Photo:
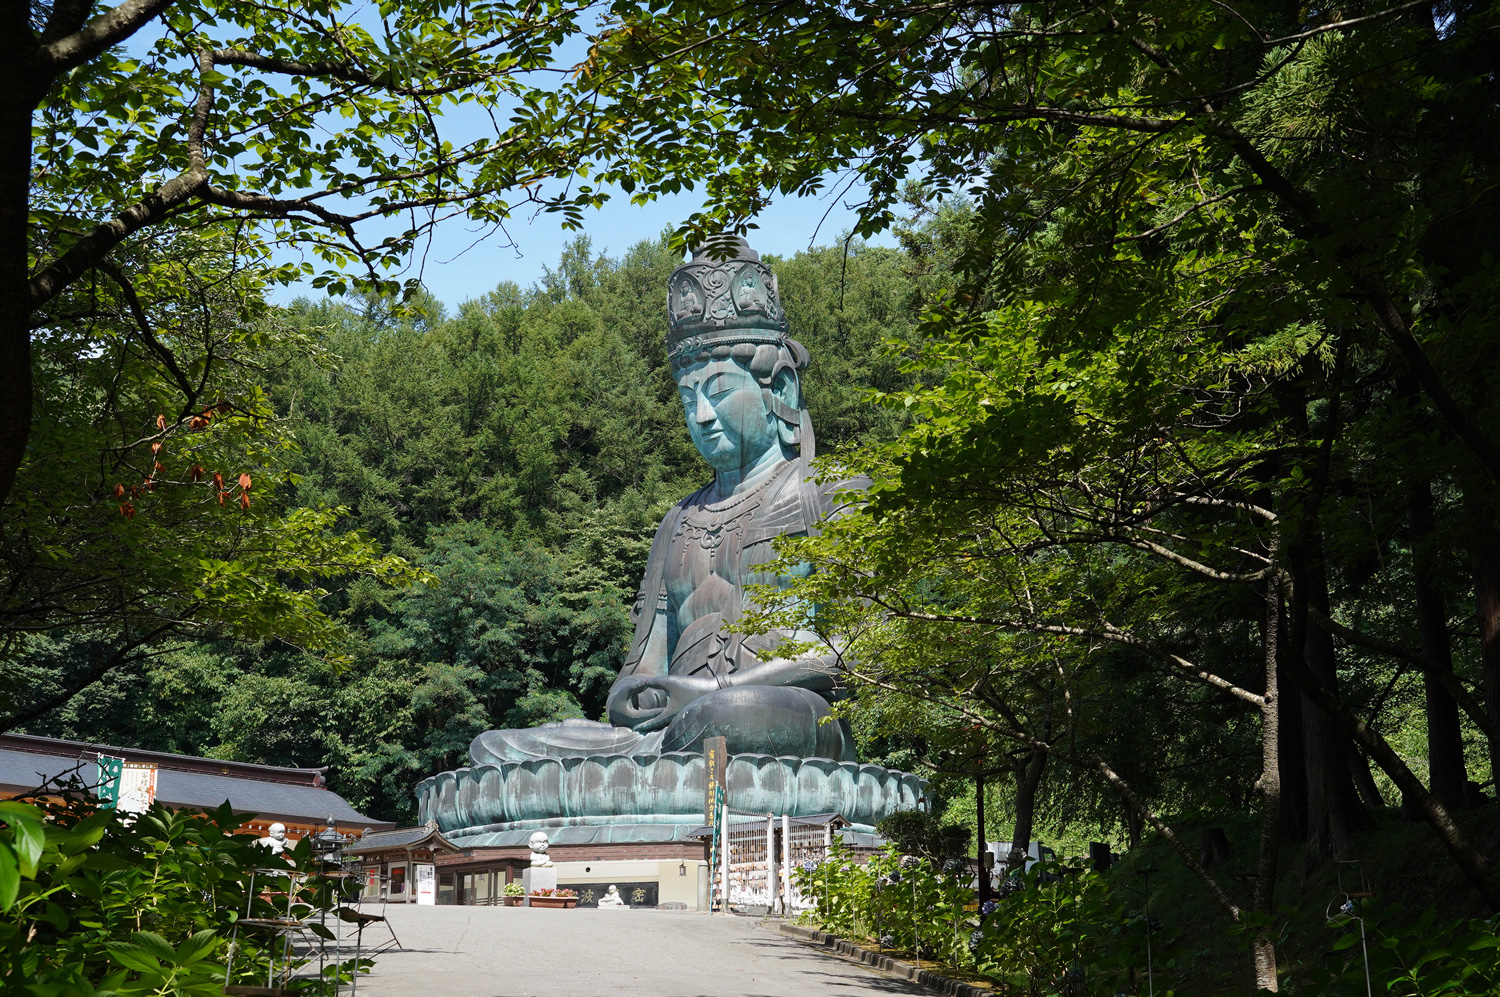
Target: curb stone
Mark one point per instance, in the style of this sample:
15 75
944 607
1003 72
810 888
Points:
884 963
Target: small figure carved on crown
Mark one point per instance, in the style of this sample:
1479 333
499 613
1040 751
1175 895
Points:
716 299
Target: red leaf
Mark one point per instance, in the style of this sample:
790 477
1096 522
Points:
197 422
156 448
218 480
245 482
244 500
119 491
197 472
161 422
159 467
127 510
221 497
224 406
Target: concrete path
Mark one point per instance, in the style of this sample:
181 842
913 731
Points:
514 952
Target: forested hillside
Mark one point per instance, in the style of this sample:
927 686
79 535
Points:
521 450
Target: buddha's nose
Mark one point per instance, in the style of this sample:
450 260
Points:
705 412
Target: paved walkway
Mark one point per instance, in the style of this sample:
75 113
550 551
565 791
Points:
514 952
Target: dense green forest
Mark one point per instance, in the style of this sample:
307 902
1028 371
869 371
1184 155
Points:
520 451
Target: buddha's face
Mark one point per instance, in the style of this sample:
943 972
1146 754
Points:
726 414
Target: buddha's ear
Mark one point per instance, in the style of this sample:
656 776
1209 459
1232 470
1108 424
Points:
785 401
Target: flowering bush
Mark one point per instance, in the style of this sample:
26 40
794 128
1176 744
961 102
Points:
899 901
515 889
1057 929
555 893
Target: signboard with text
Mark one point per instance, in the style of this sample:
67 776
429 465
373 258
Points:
426 875
715 758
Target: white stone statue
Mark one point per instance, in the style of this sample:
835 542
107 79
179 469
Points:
275 839
539 845
612 898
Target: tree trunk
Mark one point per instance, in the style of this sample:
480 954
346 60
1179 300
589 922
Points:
1447 779
1486 548
1028 778
1133 825
1291 752
983 881
1364 780
1333 807
17 45
1262 942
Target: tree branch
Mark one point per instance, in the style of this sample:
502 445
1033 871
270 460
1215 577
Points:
1182 850
1447 679
291 67
133 302
86 253
109 28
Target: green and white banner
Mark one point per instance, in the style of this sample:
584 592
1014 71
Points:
127 786
110 769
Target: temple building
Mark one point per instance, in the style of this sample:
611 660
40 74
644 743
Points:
297 798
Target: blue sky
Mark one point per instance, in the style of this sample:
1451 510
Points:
455 268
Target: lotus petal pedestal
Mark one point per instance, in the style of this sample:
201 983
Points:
639 798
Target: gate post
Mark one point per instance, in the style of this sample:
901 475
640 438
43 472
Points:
724 856
786 862
770 862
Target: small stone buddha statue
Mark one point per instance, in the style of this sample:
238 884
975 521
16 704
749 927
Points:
687 677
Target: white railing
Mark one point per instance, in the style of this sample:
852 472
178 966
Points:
756 856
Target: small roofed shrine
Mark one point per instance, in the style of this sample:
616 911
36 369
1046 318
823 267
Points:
297 798
393 864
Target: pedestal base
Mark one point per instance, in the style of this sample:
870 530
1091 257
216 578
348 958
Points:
634 798
538 877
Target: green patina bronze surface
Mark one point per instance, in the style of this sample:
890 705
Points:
642 797
687 677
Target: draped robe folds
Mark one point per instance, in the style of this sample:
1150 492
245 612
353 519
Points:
704 555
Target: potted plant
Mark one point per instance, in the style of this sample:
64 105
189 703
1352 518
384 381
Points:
514 894
554 898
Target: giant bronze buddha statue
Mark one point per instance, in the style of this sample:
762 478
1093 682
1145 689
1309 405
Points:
687 678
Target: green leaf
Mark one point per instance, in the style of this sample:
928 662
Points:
135 956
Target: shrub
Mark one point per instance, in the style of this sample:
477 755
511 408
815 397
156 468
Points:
95 900
921 832
1420 959
1058 929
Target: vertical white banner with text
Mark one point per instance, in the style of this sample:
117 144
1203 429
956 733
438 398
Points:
426 882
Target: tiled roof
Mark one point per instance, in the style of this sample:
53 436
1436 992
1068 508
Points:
402 837
185 781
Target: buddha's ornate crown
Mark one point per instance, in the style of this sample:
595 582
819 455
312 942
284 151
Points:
718 299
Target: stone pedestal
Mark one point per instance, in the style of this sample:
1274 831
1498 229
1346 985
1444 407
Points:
538 878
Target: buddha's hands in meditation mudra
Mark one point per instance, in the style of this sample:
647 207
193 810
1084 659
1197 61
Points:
688 676
650 702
